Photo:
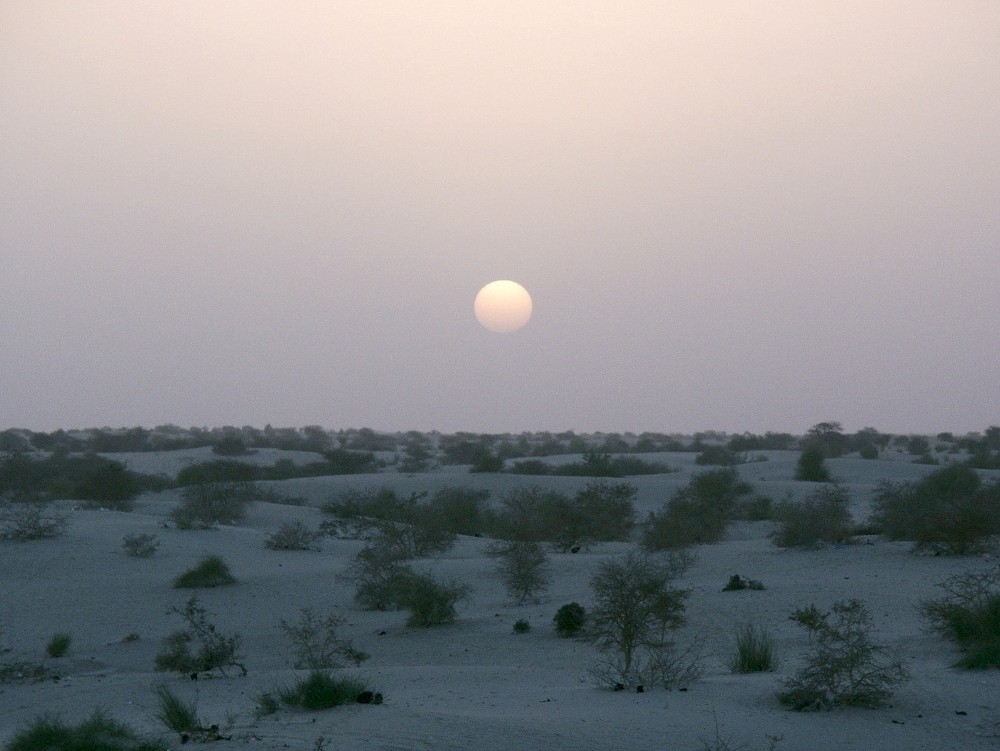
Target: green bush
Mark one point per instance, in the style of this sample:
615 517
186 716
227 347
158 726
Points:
570 619
521 626
844 665
697 513
523 568
950 511
212 571
970 616
320 690
812 466
431 602
720 456
754 650
98 733
58 645
737 583
204 506
823 517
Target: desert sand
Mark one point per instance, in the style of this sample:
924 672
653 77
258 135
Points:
476 685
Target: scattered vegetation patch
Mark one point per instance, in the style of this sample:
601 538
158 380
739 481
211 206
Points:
844 665
719 456
320 690
200 648
594 464
99 481
30 520
212 571
204 506
823 517
316 644
97 733
949 511
140 545
293 536
969 614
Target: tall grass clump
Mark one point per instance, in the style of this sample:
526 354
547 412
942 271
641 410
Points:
754 650
321 690
175 714
58 645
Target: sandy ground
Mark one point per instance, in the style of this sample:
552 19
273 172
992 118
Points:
475 684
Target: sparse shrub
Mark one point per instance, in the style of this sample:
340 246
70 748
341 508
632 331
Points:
267 704
736 583
950 511
97 733
754 650
211 571
521 626
523 567
430 602
140 545
812 466
293 536
379 577
212 649
823 517
570 619
970 616
320 690
697 513
844 665
58 645
635 606
205 505
316 644
29 520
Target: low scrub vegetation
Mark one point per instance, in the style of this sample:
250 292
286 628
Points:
97 733
201 647
293 536
594 464
823 517
969 615
949 511
30 520
98 481
316 643
320 690
204 506
697 513
844 665
140 545
211 571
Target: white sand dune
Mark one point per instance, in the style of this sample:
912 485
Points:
474 684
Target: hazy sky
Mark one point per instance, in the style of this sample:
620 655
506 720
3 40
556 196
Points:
731 214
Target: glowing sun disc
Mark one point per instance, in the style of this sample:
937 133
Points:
503 306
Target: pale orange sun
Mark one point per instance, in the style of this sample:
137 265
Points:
503 306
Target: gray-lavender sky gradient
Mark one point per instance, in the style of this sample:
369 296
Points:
731 215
